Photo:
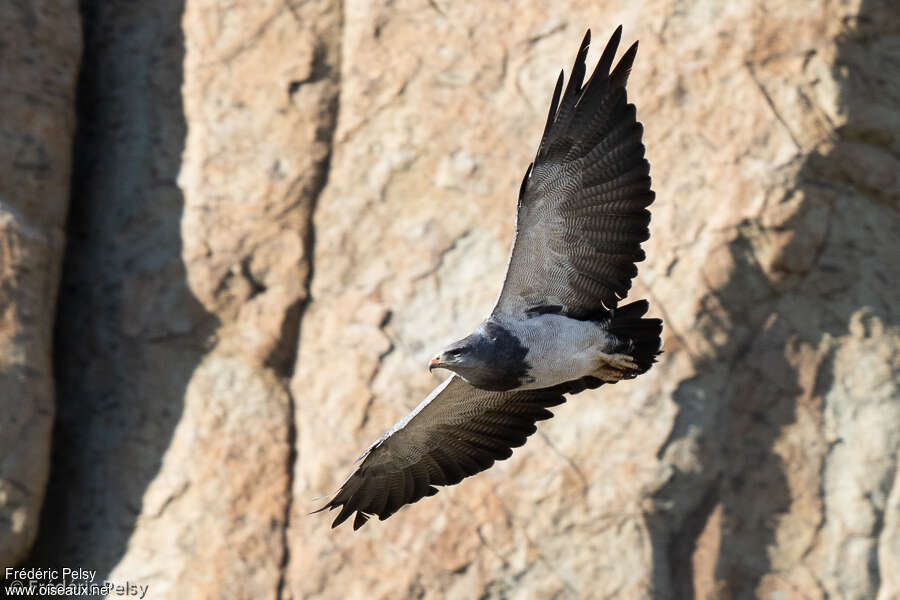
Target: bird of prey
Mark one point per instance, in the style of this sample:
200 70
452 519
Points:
557 328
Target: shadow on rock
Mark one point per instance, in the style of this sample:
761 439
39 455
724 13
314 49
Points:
129 332
794 286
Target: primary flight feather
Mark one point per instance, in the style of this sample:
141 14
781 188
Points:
557 328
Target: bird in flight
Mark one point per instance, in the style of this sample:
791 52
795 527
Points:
557 328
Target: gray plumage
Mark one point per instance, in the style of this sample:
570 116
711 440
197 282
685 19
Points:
455 432
556 329
582 207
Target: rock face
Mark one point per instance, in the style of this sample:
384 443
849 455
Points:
203 142
759 458
280 209
39 53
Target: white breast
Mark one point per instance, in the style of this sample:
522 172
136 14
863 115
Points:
560 349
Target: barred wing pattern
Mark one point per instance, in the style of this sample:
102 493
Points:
580 222
581 213
457 431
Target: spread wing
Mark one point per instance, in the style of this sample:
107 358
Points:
457 431
581 213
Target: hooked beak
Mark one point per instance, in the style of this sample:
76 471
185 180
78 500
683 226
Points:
435 363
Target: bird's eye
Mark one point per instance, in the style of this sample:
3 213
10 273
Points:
454 352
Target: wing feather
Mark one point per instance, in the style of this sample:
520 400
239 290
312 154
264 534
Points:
461 430
582 214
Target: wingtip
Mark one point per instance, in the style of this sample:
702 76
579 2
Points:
318 510
609 52
345 513
360 520
585 44
616 36
551 115
620 74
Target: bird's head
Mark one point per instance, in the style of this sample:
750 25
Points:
485 359
456 357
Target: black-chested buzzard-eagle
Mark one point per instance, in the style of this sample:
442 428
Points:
556 329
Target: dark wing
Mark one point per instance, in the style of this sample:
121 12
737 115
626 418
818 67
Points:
457 431
582 213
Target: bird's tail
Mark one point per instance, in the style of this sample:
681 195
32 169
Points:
643 334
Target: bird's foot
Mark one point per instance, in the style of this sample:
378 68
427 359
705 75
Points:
623 362
615 367
609 374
